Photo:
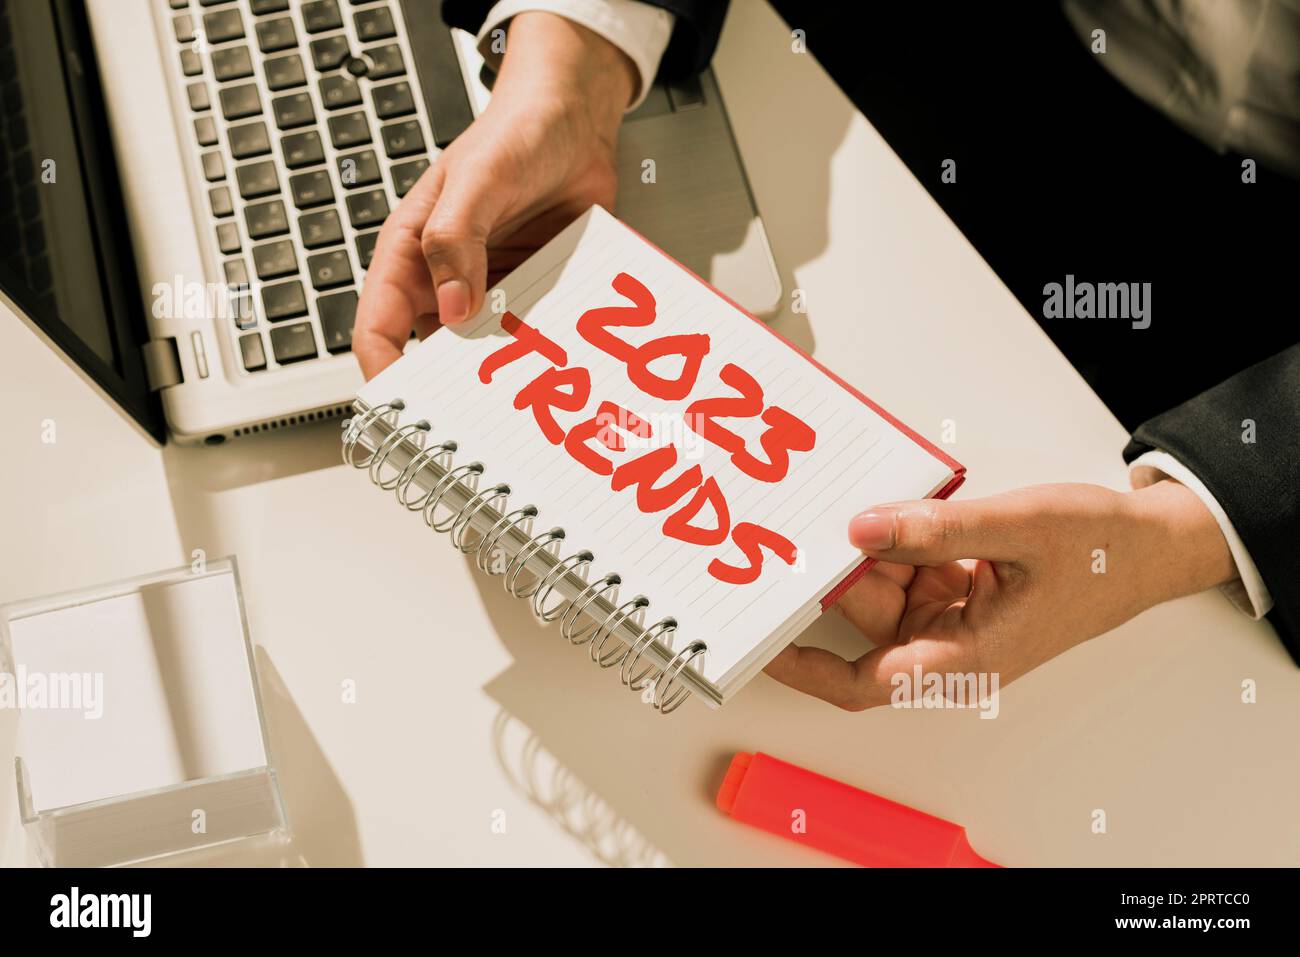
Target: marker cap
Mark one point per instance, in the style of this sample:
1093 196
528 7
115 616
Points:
839 819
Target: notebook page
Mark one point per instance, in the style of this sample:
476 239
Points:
685 553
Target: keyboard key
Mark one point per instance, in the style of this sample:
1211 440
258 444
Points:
198 94
311 189
223 25
178 4
321 15
402 139
184 28
261 7
366 247
320 229
228 238
278 34
284 72
338 313
254 354
219 199
191 63
445 100
266 219
293 110
336 92
241 308
376 24
232 63
250 139
302 149
238 102
257 179
405 175
385 61
213 168
392 100
328 52
272 260
330 269
293 343
367 209
205 131
359 169
284 300
350 129
236 272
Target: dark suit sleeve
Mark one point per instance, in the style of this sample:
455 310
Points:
691 46
1257 483
695 36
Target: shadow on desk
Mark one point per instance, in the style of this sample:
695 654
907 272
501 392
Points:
634 787
252 459
321 817
789 121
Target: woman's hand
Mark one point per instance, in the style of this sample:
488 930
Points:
538 156
1054 566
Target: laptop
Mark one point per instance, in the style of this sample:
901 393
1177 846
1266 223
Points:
191 190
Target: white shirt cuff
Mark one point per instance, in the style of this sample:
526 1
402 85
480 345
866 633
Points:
1248 593
638 29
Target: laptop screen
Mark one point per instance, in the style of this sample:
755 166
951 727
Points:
65 256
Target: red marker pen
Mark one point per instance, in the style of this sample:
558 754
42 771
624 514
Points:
841 820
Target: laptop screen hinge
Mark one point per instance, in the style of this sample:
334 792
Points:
162 363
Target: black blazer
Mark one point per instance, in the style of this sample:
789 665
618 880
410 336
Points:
1257 484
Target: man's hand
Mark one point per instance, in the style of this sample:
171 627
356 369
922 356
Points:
1035 589
540 155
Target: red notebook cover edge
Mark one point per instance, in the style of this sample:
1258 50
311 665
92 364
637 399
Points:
958 470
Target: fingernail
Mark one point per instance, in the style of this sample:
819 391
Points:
872 529
453 301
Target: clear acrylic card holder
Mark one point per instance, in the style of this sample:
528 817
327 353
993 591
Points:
141 728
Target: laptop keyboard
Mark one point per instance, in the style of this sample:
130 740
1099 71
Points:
20 210
308 123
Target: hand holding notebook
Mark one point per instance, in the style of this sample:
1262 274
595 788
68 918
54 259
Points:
660 473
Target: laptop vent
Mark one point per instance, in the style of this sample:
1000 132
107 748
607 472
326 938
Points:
291 420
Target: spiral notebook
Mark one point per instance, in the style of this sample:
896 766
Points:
659 474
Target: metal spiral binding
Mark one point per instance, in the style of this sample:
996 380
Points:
643 654
628 611
381 453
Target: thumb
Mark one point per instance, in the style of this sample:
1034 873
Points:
933 532
454 242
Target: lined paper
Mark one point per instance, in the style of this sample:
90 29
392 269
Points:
858 459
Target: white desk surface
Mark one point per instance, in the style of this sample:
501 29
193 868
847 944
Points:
465 708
